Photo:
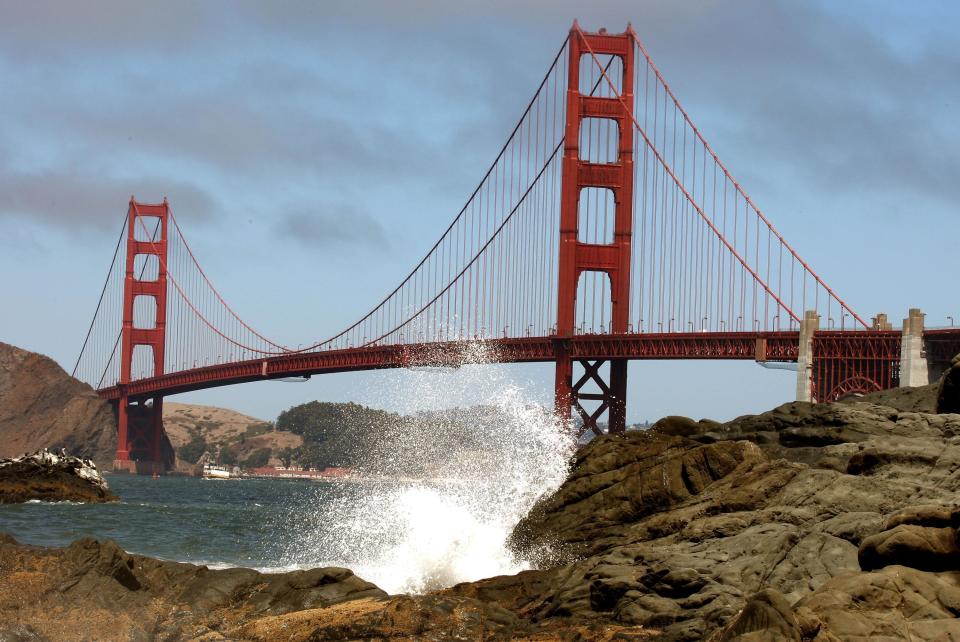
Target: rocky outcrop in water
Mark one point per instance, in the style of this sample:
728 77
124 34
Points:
809 521
49 477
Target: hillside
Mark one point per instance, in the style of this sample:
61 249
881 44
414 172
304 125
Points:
378 442
321 435
195 429
41 406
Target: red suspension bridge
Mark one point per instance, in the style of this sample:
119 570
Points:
606 229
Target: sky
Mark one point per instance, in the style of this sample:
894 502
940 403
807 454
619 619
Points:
314 151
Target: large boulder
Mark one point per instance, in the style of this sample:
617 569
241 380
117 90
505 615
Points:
922 537
911 399
894 603
948 391
675 529
103 593
766 617
619 479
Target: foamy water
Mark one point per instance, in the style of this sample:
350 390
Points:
413 537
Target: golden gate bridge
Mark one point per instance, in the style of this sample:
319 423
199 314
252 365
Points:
606 229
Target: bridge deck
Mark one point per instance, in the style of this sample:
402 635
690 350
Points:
762 346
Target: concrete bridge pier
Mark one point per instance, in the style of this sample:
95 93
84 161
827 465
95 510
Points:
914 370
809 325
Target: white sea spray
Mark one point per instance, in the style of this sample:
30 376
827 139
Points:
418 535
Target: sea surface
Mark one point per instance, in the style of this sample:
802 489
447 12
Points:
405 536
246 522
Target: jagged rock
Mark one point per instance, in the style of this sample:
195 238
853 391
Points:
617 480
100 592
923 537
895 603
750 530
805 491
948 389
766 617
46 476
922 547
121 596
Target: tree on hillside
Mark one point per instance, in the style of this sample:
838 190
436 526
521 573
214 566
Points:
192 450
352 436
317 421
228 455
258 458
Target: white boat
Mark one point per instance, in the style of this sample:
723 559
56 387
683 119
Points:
215 471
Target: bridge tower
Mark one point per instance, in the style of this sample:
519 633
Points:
140 425
577 257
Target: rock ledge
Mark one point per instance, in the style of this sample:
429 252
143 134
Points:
49 477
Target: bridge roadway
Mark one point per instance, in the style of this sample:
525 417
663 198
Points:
762 346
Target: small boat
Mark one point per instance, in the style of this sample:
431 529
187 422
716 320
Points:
215 471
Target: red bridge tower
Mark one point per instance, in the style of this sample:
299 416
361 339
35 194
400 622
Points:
140 425
577 257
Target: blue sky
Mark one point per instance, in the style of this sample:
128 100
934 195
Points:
295 140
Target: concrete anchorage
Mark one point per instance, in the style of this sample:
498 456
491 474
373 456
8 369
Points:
809 325
914 370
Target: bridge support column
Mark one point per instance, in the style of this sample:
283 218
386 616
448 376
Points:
576 256
563 385
809 325
914 370
140 426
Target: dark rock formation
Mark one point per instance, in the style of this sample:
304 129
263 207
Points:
767 616
948 391
49 477
99 592
919 399
922 537
895 603
41 406
113 595
678 528
619 479
808 522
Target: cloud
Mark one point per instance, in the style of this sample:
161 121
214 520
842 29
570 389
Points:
333 228
79 200
246 100
802 102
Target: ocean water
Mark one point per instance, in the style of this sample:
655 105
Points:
405 536
247 522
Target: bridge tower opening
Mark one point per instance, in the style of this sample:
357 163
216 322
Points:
140 436
576 256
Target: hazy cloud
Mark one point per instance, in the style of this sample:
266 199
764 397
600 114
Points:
332 228
78 200
248 100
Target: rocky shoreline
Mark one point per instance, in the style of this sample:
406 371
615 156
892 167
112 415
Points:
51 477
818 522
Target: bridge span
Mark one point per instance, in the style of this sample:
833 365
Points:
605 230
